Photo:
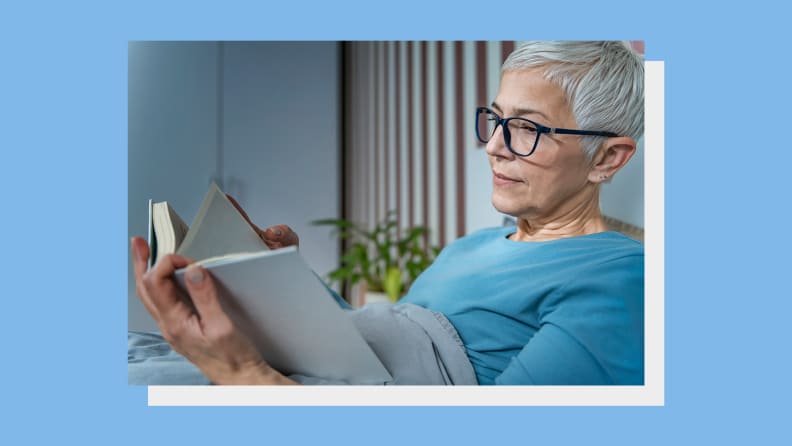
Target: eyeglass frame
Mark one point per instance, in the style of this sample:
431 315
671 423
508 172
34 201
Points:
504 123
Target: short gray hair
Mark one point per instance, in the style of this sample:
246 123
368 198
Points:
603 82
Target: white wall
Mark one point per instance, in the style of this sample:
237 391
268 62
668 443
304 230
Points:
623 197
282 130
203 111
173 115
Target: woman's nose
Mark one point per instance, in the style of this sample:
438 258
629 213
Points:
496 146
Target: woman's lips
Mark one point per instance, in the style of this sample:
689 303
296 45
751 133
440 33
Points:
502 180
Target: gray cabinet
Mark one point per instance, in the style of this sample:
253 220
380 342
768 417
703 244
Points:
260 118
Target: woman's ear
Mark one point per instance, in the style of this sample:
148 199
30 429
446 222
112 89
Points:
612 156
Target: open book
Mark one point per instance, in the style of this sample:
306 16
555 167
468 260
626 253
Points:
271 295
217 230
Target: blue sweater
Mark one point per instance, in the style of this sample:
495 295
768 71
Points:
567 311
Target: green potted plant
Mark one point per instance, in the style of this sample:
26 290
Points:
382 259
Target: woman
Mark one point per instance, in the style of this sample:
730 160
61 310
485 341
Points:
559 299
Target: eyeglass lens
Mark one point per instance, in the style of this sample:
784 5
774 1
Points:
522 133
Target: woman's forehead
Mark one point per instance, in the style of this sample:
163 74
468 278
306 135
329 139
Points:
528 93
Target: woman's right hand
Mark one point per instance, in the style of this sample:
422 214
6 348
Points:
278 236
202 332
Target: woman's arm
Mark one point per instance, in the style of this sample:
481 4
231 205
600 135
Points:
591 331
553 357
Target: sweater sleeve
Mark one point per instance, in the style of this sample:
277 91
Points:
553 357
339 300
591 331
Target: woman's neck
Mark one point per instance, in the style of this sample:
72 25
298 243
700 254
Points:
582 219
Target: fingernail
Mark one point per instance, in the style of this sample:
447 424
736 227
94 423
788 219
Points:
195 275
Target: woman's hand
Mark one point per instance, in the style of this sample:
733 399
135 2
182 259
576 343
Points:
203 334
278 236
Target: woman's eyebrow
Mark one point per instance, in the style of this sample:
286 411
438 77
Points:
521 111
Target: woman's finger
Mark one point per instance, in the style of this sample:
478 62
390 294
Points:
203 293
280 236
162 293
140 254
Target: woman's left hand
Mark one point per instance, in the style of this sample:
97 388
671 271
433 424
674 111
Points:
278 236
204 335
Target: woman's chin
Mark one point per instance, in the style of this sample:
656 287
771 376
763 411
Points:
505 205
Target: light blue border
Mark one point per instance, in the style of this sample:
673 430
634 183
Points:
63 110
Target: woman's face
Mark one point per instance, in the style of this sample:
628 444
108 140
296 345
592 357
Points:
552 183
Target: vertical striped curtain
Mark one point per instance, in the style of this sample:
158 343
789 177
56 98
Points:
409 120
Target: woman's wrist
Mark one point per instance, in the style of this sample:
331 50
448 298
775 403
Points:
272 377
256 374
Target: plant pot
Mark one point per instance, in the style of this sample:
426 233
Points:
376 296
361 296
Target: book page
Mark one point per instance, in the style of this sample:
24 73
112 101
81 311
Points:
180 228
219 229
169 229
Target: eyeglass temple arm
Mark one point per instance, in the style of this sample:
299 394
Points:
577 132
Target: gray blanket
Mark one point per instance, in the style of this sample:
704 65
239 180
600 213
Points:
416 345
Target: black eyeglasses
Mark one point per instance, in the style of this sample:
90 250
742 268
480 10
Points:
521 135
